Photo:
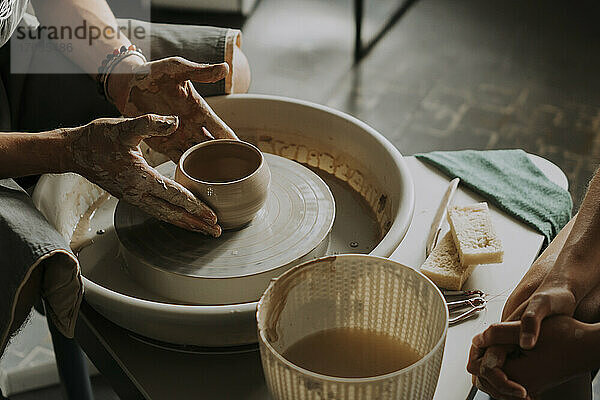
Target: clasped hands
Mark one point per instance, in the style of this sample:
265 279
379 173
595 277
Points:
542 341
506 370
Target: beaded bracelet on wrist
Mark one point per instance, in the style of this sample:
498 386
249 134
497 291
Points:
110 62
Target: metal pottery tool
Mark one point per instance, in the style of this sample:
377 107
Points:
438 220
463 304
471 301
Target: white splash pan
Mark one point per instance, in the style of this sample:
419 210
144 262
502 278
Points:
311 134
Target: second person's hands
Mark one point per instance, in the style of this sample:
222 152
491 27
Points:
565 348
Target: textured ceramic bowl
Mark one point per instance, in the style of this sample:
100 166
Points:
360 292
231 176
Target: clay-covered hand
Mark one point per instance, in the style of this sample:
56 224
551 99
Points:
486 362
165 87
106 151
561 352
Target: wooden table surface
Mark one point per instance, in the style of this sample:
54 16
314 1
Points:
142 370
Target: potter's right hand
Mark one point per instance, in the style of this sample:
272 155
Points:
106 151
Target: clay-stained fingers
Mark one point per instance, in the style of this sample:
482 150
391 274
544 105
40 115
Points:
494 357
531 320
474 360
500 333
207 118
495 338
515 305
133 130
217 128
491 370
487 387
168 212
172 192
517 313
500 382
181 69
546 301
207 134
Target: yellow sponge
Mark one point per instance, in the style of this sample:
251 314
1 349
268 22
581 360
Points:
443 266
474 235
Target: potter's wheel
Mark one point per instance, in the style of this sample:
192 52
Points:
367 175
292 227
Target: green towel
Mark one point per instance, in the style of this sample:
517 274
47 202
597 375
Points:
508 179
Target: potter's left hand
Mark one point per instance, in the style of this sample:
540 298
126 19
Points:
165 87
563 350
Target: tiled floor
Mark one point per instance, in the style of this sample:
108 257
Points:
450 75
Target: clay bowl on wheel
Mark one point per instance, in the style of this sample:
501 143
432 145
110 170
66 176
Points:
325 140
187 267
231 176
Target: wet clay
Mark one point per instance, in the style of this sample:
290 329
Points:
341 166
221 163
351 353
172 77
83 235
106 151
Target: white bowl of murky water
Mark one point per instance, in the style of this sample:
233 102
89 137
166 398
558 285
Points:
352 327
367 175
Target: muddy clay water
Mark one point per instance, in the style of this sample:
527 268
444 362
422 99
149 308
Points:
221 161
355 230
351 353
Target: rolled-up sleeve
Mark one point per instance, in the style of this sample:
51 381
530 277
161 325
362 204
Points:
201 44
29 242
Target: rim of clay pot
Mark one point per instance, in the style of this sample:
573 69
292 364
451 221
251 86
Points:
236 142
